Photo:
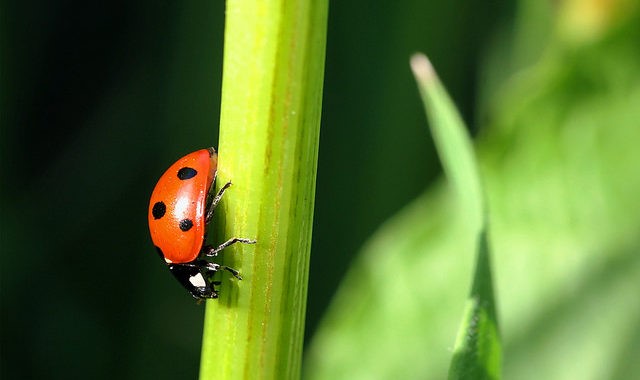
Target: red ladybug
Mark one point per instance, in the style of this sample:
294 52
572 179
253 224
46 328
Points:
181 206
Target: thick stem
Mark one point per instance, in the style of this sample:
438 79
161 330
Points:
270 123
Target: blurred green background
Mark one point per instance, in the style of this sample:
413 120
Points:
98 99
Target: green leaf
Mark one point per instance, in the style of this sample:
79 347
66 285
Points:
451 139
559 156
477 353
478 350
270 122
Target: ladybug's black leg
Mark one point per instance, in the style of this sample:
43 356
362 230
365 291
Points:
214 202
210 251
213 267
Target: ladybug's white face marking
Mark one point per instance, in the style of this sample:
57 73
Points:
198 280
168 261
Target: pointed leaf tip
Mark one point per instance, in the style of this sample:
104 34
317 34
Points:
422 68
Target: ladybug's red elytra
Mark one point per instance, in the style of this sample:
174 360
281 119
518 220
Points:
181 207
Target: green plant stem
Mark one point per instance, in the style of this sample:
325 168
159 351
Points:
270 123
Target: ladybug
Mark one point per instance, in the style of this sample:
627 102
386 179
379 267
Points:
181 207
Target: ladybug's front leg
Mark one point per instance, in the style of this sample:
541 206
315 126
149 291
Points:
214 202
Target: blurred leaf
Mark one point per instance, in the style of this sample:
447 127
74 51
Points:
452 140
478 350
477 353
561 163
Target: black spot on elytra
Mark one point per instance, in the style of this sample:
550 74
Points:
187 173
159 251
186 224
159 209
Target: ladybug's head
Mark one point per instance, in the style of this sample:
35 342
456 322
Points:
195 280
